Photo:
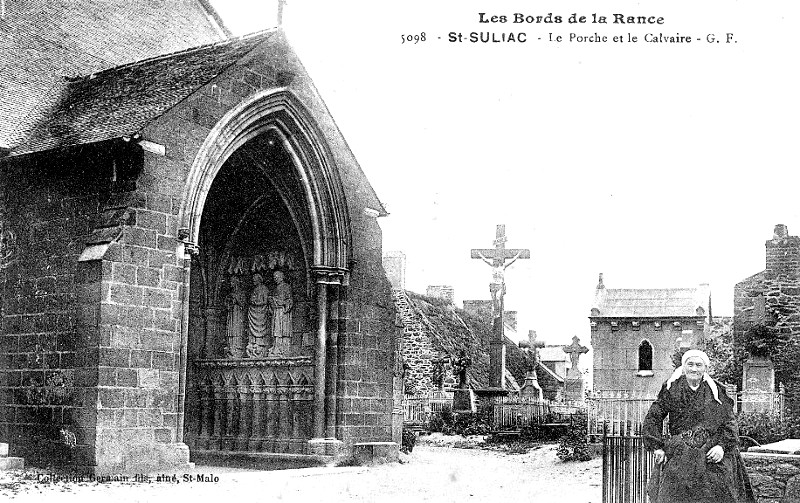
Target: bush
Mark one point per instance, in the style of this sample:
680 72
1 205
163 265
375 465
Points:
574 446
468 423
463 423
409 440
763 427
441 422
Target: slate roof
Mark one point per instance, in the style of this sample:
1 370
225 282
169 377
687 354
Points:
542 368
651 303
43 41
122 100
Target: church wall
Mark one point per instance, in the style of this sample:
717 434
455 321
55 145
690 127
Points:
367 347
616 353
49 205
366 338
90 350
139 325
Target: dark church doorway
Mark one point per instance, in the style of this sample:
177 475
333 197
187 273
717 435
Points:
250 368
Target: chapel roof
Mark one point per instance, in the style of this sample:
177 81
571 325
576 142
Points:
122 100
651 302
44 41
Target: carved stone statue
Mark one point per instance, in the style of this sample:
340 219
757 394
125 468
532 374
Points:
257 317
497 287
281 316
235 302
438 373
460 366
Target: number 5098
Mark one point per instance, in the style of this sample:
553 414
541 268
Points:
413 39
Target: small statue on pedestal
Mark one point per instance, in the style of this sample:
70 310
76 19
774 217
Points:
460 366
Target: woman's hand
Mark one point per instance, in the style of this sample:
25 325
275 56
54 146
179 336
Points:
714 455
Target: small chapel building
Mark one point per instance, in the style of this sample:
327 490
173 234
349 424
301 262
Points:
190 258
635 333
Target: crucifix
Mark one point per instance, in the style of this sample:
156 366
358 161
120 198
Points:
496 258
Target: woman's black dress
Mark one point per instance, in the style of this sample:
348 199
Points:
697 422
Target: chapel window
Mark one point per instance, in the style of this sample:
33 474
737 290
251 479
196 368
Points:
645 356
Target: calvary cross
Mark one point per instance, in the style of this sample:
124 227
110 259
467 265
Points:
496 257
499 253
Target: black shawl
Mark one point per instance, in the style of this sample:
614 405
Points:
697 422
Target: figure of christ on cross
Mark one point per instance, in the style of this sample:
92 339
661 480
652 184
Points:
496 258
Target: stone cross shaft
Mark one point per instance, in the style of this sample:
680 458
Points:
496 258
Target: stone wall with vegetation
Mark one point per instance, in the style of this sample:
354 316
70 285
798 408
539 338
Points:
775 477
419 352
766 311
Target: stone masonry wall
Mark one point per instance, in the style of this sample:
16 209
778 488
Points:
772 296
139 326
49 206
775 477
366 321
616 352
418 350
368 340
93 349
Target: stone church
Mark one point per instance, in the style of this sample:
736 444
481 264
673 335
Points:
635 332
190 257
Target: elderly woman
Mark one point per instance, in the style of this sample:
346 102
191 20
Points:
699 460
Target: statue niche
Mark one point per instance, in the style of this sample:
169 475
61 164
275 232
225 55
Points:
260 322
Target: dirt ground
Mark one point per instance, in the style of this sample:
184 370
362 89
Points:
440 469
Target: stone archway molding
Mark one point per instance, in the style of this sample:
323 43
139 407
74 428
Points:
278 110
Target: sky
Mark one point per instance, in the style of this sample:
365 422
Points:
659 165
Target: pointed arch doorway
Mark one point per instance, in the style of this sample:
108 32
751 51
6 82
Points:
264 218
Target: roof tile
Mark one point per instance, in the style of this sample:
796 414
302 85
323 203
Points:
121 101
651 303
42 41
